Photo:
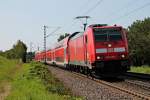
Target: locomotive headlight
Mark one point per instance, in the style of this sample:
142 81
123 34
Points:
98 57
109 45
123 56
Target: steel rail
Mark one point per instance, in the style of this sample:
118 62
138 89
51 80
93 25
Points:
138 75
133 93
141 84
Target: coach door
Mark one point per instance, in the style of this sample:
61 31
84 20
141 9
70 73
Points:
85 46
65 55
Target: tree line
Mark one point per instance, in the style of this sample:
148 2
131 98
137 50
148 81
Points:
139 42
18 51
61 37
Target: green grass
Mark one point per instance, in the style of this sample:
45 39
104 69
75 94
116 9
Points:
31 82
140 69
7 69
35 82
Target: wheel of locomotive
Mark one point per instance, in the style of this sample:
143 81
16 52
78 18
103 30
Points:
88 72
74 68
77 68
80 68
84 70
69 67
66 66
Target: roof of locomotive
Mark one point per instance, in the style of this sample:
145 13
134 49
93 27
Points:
103 26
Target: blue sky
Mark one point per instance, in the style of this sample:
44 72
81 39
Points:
23 19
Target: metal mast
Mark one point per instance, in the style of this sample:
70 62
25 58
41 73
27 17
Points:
45 27
83 17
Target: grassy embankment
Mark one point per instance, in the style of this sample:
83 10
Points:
7 70
31 82
140 69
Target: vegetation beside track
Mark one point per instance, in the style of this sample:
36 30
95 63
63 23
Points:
30 81
140 69
139 39
35 82
8 69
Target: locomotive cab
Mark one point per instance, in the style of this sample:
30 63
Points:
111 49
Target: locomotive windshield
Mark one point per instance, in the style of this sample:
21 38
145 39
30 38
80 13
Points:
102 35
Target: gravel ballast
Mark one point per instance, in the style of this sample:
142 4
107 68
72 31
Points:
88 89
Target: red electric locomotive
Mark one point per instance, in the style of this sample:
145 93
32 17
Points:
101 49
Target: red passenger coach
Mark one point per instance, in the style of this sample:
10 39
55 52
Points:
37 56
60 55
49 56
76 49
42 56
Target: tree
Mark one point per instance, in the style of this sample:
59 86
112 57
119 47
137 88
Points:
1 53
61 37
17 52
139 41
20 49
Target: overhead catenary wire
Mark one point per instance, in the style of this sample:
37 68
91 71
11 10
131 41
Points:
128 4
54 31
128 13
93 7
69 26
88 11
85 5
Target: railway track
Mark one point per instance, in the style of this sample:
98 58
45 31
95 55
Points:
133 93
138 80
138 75
141 84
